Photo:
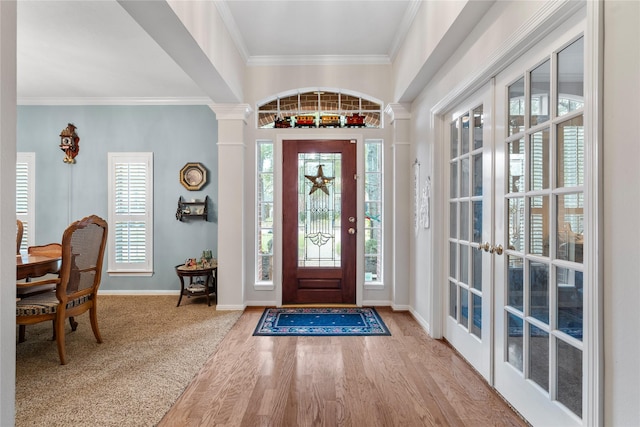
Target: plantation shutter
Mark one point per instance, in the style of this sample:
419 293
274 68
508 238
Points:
131 212
25 168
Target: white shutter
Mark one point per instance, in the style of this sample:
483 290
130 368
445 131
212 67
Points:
25 200
130 213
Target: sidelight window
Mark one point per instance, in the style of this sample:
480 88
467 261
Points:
373 203
264 211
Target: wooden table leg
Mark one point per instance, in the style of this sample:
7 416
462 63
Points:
181 289
206 288
214 283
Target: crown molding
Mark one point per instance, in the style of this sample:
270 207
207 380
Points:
114 101
232 27
284 60
403 28
231 111
398 112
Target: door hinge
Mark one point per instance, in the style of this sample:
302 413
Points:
355 177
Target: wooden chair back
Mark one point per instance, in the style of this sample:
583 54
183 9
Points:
83 246
19 233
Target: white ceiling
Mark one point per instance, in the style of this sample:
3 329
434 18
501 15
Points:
84 51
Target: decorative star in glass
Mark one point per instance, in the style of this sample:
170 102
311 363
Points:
319 181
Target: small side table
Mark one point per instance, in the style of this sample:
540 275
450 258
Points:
210 286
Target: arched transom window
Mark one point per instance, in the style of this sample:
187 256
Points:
319 108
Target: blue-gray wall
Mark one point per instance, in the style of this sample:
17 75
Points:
64 193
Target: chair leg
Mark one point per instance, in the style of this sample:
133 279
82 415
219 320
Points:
73 323
21 332
93 315
59 329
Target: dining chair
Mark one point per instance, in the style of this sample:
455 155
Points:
19 233
49 250
83 245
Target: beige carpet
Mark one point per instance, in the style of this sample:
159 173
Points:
151 351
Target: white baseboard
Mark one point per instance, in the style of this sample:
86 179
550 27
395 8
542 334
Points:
231 307
376 303
421 321
138 292
261 304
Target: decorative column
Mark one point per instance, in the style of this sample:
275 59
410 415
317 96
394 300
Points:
400 116
232 119
8 211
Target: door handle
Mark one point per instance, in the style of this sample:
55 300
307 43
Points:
486 246
351 230
352 219
496 249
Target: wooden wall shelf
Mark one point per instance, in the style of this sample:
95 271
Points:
197 209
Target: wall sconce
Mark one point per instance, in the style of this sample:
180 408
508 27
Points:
69 143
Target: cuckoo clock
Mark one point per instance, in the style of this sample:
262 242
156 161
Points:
69 143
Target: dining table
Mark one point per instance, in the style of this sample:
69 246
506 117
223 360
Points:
30 265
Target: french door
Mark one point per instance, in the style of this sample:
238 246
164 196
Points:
540 202
515 280
468 323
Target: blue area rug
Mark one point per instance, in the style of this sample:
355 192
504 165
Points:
321 322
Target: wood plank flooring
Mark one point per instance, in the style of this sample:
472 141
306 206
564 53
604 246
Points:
406 379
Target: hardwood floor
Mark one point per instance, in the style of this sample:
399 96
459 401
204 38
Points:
406 379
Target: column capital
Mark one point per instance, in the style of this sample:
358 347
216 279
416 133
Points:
231 111
398 111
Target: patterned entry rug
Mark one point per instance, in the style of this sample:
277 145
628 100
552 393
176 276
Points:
321 321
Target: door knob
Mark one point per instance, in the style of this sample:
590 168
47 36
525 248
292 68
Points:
496 249
484 246
351 230
352 219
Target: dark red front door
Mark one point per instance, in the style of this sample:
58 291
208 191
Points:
319 221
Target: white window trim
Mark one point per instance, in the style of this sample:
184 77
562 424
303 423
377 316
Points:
29 218
114 268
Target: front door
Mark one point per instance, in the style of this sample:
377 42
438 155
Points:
319 222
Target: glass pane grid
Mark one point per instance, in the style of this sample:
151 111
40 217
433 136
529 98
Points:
373 185
264 206
319 209
465 220
545 223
